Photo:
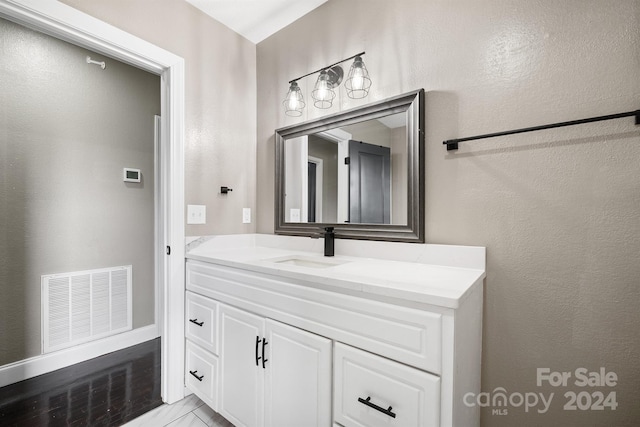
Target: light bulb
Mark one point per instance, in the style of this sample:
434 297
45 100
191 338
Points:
293 102
323 93
357 81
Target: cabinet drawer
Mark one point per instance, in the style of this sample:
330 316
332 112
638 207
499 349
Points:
201 323
201 374
371 391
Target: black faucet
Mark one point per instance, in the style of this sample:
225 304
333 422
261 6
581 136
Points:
329 239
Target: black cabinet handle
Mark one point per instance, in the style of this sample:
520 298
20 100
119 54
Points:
199 378
367 402
196 322
257 345
264 358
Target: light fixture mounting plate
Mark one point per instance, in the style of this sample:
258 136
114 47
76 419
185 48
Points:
335 73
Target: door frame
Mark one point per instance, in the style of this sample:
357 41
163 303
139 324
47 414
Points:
341 138
319 185
66 23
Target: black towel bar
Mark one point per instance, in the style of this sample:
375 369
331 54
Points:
452 144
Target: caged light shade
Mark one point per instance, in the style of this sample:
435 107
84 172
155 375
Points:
294 102
323 93
358 81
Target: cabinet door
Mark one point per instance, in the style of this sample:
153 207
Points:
241 398
297 377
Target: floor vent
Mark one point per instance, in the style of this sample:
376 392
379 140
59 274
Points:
84 306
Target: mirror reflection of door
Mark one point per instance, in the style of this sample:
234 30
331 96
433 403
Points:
369 183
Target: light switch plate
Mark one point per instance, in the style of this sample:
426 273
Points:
246 215
196 214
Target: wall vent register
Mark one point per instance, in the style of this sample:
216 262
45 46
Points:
84 306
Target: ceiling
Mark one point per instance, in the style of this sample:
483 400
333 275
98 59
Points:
256 19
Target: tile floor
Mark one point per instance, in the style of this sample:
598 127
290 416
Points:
189 412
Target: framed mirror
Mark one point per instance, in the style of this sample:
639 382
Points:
360 171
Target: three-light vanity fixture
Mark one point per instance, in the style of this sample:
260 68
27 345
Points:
357 85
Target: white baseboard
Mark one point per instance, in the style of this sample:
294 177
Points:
38 365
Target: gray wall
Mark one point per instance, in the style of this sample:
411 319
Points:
558 210
67 129
220 102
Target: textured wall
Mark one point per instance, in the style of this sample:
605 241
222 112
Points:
67 129
220 102
558 210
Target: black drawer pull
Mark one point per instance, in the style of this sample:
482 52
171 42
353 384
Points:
196 322
199 378
367 402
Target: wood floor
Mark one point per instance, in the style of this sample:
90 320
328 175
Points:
106 391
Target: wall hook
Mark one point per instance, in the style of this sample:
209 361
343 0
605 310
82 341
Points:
225 190
102 64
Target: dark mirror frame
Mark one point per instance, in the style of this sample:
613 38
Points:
413 104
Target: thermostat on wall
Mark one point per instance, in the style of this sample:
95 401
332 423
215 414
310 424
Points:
131 175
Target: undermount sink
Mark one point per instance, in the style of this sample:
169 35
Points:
310 262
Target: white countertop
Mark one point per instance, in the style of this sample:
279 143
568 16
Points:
419 280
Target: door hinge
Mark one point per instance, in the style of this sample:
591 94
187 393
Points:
168 250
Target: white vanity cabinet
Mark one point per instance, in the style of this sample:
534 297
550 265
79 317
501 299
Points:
300 348
272 374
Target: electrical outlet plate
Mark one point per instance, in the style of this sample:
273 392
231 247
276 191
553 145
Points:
294 215
196 214
246 215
